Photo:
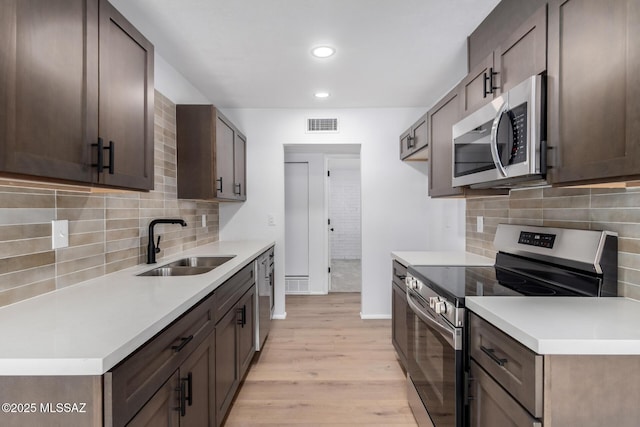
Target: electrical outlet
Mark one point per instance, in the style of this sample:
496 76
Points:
480 224
59 234
271 220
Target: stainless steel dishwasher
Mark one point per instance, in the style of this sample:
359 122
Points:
264 303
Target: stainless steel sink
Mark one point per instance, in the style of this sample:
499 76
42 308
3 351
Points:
188 266
200 261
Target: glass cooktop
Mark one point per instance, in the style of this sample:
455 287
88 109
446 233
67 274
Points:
456 282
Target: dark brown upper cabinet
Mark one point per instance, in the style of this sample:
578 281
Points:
126 103
594 91
48 88
67 69
211 155
413 141
521 55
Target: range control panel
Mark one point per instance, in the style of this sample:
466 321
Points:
537 239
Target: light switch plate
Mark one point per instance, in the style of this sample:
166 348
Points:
480 224
204 220
59 234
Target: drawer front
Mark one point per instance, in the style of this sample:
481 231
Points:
227 295
490 405
512 365
129 385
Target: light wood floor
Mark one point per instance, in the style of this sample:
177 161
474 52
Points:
323 365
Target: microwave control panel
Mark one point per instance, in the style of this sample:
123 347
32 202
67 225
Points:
517 134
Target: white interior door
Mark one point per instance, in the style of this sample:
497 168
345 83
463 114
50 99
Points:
297 219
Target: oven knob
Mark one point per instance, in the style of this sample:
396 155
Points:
440 307
432 302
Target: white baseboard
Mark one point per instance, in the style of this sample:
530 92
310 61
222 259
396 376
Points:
279 316
375 316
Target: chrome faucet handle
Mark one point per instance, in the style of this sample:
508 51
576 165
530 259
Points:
157 248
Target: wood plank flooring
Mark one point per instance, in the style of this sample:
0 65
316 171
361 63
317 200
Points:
323 366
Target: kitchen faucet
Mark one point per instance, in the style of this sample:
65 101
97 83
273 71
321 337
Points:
153 249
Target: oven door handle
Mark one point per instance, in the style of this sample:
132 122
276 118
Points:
494 139
452 335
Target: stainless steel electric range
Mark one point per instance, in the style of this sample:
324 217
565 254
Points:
531 261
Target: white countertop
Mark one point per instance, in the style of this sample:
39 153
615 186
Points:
565 325
88 328
408 258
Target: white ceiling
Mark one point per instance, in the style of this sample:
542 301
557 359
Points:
256 53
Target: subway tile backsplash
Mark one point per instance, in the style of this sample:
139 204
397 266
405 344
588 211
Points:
591 209
107 231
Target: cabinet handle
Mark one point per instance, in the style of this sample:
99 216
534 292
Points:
240 317
112 150
189 380
409 139
488 78
491 353
220 181
182 406
239 186
100 164
183 343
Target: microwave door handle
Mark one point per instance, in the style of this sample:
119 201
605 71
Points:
494 140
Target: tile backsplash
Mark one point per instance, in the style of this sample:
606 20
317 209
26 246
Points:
107 231
591 209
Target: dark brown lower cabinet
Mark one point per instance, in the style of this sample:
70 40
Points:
399 308
186 375
235 344
160 410
510 385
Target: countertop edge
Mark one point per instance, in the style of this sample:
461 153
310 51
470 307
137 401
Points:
99 365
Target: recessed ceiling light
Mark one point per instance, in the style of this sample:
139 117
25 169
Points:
323 51
322 94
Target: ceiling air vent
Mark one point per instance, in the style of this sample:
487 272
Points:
322 125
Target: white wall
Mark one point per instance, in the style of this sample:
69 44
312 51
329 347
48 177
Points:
396 212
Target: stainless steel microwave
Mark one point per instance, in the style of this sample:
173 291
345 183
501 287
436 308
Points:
503 143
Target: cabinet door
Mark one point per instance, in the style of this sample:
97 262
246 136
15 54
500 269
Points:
197 380
476 87
226 366
399 323
48 87
441 118
524 53
594 88
405 143
413 142
126 102
160 410
225 140
247 330
239 168
490 405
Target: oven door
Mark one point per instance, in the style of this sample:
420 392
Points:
435 365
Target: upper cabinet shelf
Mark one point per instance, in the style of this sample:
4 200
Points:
76 95
211 155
